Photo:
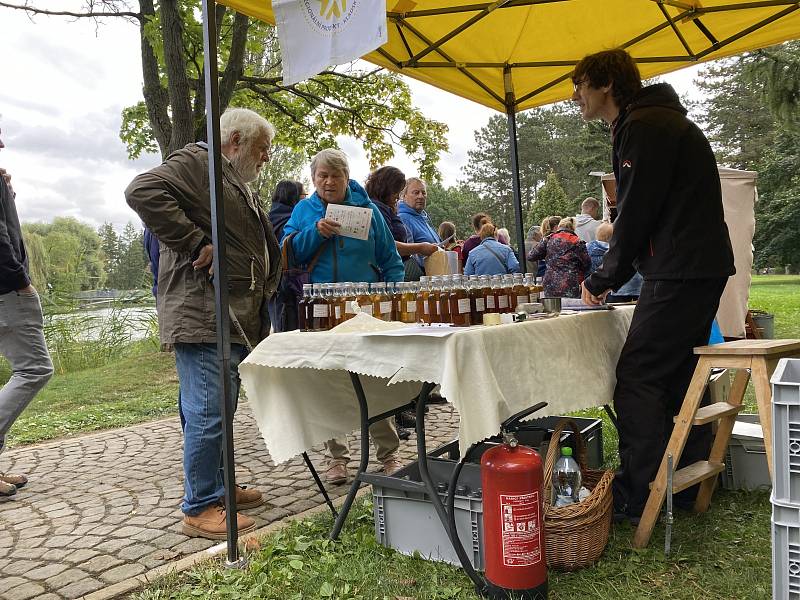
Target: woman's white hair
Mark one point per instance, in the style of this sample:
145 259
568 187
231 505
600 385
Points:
247 123
334 159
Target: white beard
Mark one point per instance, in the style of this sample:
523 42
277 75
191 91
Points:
246 164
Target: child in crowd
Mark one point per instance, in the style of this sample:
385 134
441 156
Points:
597 249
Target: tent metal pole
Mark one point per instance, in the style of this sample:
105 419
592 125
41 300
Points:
515 182
220 273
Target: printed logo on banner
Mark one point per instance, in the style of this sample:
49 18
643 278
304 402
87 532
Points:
329 16
315 34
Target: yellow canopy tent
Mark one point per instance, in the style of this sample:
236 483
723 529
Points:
512 55
516 54
465 48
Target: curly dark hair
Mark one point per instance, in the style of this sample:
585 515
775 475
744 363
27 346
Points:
384 184
615 67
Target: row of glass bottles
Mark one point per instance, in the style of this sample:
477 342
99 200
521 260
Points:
455 299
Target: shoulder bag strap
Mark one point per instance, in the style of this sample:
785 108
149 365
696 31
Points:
498 257
287 254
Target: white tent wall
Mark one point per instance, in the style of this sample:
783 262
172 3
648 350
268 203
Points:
739 195
738 198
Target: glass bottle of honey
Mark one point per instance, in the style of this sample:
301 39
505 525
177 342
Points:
520 291
363 298
434 286
477 305
460 314
499 293
443 298
488 294
408 302
319 309
348 301
302 308
423 311
381 302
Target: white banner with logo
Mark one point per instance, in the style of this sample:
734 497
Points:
315 34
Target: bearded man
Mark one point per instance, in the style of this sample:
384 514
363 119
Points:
173 201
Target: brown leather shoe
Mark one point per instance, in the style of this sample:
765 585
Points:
391 466
210 523
7 489
248 497
336 474
17 481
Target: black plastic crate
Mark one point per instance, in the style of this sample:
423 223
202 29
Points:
536 434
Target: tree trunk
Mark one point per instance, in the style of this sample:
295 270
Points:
177 80
155 96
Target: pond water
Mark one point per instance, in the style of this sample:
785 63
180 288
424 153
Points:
130 322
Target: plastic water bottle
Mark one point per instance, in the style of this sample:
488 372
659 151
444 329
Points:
566 479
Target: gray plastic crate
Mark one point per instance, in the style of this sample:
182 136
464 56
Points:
785 551
746 460
536 434
786 431
406 520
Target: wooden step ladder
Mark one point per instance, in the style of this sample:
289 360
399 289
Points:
756 358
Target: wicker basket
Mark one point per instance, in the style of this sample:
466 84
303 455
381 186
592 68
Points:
577 534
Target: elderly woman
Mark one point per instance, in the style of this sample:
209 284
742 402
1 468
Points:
568 262
491 257
341 258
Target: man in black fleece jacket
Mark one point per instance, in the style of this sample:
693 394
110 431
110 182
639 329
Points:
670 227
21 338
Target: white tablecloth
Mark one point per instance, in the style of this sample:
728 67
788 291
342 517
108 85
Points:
301 395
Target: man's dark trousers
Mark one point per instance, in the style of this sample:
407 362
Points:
657 362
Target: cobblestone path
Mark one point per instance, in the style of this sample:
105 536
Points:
104 507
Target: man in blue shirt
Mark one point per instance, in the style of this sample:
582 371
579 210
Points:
412 212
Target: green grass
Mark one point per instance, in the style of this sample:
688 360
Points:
723 554
129 390
779 295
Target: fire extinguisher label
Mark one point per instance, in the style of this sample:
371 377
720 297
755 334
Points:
522 531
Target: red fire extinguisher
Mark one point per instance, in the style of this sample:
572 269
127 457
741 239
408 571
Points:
513 519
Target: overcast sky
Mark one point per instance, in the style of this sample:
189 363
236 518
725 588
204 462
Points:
64 85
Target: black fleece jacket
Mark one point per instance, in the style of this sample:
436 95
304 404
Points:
13 260
670 223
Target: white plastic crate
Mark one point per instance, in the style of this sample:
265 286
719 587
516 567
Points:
745 457
406 520
785 551
786 431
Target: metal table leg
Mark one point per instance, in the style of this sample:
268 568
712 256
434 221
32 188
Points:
362 465
321 487
366 421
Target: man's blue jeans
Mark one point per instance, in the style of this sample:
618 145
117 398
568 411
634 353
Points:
198 402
